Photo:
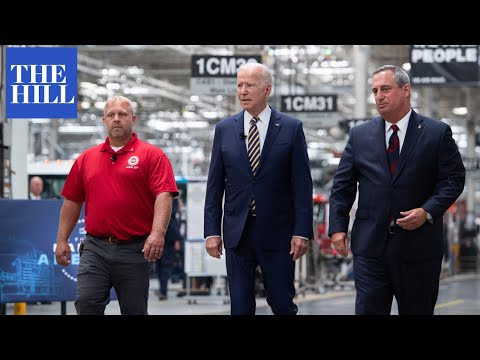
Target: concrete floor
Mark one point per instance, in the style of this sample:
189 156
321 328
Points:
458 295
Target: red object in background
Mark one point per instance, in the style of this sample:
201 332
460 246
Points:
320 220
322 228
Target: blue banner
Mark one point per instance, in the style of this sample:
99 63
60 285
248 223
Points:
28 269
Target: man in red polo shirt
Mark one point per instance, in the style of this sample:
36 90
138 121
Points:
127 186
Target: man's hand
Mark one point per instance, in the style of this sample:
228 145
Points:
62 253
341 243
178 245
412 219
214 246
153 247
298 247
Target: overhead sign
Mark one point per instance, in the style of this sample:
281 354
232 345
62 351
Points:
309 103
443 64
347 124
319 120
216 75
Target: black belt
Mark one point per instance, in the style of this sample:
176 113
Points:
393 229
114 241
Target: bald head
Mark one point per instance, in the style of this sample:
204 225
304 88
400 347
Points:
36 185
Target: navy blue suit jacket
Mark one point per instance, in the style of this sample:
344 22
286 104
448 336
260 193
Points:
430 175
173 230
282 186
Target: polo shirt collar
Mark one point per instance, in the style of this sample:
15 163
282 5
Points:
130 146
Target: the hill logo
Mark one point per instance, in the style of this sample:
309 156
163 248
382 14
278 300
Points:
41 82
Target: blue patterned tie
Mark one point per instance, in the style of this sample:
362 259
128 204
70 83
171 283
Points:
393 151
253 151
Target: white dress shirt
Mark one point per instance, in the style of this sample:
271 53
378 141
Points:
401 132
262 125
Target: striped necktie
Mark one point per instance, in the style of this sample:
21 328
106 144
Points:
253 151
393 151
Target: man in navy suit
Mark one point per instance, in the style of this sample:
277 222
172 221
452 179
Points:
173 239
397 237
268 208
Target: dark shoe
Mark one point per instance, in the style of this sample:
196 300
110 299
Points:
162 297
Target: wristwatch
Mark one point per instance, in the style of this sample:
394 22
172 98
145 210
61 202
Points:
429 217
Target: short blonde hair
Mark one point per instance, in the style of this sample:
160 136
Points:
118 99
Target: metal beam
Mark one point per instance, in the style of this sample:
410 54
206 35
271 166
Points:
163 88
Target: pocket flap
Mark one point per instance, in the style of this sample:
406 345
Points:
362 214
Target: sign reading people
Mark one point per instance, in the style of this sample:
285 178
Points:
41 82
444 64
217 75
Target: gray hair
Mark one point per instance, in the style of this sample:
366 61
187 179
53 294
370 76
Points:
118 99
266 73
399 75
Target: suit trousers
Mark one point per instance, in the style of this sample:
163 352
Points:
413 283
278 270
164 267
119 265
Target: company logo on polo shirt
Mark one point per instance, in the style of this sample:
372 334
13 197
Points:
132 162
41 82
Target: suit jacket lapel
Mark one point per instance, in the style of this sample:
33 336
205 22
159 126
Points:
238 129
274 126
381 146
415 128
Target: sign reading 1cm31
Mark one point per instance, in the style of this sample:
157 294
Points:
309 103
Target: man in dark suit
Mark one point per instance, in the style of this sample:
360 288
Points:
260 165
173 239
408 171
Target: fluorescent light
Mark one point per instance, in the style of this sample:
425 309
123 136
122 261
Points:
78 129
460 110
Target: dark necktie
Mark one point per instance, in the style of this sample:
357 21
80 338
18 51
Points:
393 151
253 151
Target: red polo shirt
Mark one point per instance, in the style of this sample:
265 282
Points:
120 195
